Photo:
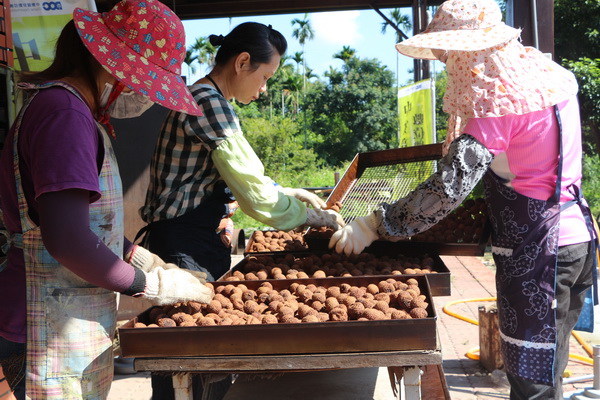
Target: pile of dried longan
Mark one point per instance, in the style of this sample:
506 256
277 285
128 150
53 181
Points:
276 241
240 305
328 265
464 225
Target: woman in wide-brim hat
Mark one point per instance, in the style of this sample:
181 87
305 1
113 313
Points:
62 201
517 127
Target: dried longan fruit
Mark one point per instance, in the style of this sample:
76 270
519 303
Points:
319 296
165 322
381 306
139 325
356 310
310 318
317 305
383 296
288 319
385 287
412 292
418 303
303 275
262 275
238 274
181 317
331 303
357 291
368 303
333 291
269 319
404 299
373 314
345 287
338 314
285 310
418 313
323 316
250 306
248 294
155 312
188 323
348 300
152 326
214 307
252 320
399 314
372 288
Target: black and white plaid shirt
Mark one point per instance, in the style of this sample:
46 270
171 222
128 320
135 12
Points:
182 173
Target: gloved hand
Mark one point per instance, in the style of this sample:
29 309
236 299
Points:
329 218
305 196
357 235
169 286
143 259
225 230
147 261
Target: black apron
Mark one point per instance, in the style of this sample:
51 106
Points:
525 247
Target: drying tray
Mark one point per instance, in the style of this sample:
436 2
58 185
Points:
385 176
439 281
282 338
292 247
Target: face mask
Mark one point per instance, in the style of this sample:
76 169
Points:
126 105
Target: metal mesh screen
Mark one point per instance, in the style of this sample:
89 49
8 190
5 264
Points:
385 183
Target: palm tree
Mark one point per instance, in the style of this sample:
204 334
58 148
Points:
189 60
297 58
204 50
345 54
303 31
396 20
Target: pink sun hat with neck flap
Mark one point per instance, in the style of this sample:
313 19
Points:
460 25
142 44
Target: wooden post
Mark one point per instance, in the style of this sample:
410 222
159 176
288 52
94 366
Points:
489 338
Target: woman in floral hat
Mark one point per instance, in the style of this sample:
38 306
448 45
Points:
517 127
62 201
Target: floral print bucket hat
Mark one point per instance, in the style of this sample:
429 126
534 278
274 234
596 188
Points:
490 73
460 25
142 44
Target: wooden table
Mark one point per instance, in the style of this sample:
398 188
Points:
401 364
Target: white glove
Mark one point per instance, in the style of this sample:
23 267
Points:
147 261
305 196
169 286
143 259
353 238
329 218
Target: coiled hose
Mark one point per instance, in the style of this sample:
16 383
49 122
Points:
473 353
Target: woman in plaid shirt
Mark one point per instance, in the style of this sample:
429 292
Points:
201 165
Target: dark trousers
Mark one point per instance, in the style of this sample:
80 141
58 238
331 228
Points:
190 241
12 359
574 275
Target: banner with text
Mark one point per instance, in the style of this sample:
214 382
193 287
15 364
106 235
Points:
36 25
416 105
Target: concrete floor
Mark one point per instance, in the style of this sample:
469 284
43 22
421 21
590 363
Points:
466 378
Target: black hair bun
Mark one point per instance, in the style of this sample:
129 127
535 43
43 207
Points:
216 40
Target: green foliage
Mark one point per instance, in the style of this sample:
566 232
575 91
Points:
576 29
441 118
355 112
587 72
591 183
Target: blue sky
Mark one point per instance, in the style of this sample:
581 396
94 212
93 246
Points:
360 30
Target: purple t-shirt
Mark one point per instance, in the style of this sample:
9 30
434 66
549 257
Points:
59 149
